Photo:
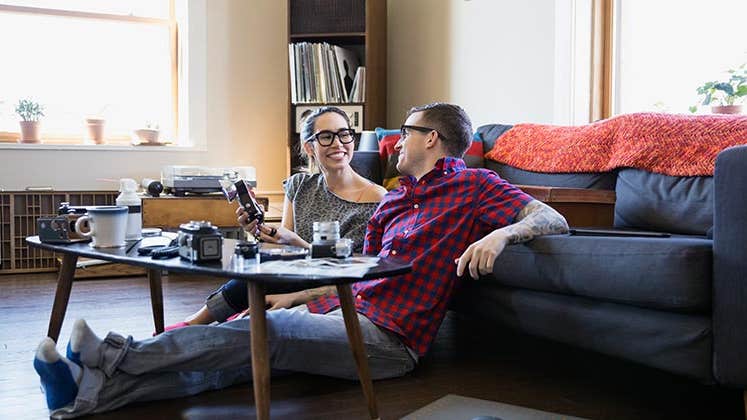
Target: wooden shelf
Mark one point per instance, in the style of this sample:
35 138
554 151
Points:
581 207
357 25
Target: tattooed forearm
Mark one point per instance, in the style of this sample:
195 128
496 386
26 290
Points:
326 291
535 219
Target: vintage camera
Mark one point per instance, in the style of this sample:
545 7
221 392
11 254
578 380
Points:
238 190
327 242
60 229
200 241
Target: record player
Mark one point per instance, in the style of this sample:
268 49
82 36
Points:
180 179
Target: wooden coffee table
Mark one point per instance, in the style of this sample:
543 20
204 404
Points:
257 282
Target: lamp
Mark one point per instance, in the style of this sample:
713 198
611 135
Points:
368 142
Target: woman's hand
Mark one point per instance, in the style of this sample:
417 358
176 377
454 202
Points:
243 219
280 235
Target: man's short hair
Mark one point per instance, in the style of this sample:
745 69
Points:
451 122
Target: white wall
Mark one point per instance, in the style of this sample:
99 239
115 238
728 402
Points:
495 58
245 80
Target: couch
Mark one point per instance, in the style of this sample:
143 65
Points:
677 303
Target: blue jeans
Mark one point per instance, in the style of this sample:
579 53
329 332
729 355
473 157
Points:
190 360
230 298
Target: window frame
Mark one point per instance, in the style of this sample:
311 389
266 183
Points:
602 63
170 23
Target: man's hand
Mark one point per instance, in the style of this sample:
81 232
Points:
480 255
284 301
535 219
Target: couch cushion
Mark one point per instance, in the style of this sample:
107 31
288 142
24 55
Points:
491 132
678 204
516 176
661 273
473 158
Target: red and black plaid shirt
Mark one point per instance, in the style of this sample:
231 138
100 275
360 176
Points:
429 222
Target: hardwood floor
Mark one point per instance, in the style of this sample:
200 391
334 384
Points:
467 360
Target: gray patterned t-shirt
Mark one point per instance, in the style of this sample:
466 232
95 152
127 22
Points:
313 202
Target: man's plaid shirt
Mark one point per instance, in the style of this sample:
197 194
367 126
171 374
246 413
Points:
429 222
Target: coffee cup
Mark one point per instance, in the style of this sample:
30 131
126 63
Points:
107 226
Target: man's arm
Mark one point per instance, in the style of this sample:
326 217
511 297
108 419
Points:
535 219
289 300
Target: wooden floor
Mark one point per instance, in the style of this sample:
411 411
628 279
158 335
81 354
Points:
508 368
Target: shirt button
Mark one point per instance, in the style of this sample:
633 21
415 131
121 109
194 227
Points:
446 173
405 232
394 252
422 182
416 206
359 297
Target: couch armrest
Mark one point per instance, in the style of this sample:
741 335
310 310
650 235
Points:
730 267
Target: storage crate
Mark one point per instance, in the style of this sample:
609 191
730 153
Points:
18 214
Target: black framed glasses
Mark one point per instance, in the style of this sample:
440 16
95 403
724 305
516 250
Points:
326 137
403 131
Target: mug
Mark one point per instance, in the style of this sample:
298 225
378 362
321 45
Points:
107 226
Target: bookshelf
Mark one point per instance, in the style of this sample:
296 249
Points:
358 26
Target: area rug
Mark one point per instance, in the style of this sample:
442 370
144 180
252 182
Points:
456 407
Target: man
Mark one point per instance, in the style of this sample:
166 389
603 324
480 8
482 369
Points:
447 219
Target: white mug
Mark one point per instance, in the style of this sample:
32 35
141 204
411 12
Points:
107 226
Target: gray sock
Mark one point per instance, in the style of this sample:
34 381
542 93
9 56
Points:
84 345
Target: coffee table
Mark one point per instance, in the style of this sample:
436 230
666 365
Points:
257 282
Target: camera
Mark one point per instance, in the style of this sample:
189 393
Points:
238 190
200 241
60 229
327 242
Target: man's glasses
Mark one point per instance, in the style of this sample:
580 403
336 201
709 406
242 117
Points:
403 131
326 137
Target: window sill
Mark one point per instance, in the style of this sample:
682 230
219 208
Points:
99 147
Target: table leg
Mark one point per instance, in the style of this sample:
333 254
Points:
62 295
260 356
345 294
156 297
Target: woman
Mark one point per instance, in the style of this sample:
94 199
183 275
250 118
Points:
330 190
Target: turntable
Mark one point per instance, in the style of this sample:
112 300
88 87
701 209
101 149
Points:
180 179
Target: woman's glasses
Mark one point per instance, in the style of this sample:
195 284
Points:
326 137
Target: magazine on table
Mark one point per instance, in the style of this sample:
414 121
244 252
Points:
327 267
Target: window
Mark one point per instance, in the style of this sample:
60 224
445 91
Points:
663 50
111 59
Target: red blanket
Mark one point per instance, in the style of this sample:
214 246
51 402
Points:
676 145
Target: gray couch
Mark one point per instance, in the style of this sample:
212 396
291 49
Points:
677 303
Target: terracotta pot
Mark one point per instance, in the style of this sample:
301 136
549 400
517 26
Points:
30 132
96 130
726 109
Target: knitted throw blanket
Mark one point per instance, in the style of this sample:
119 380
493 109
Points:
676 145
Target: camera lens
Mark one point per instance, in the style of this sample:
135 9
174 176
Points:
326 231
246 249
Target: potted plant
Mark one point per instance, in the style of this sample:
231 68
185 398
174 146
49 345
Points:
149 134
725 97
95 126
30 112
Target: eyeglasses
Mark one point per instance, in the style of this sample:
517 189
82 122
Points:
404 134
326 137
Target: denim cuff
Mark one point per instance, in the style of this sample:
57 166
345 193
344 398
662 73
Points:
218 306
